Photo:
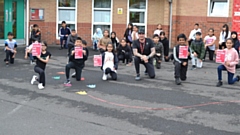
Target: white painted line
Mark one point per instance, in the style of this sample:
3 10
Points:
17 108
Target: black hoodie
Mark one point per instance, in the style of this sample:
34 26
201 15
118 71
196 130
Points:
165 43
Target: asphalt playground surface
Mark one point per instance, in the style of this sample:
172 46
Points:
123 107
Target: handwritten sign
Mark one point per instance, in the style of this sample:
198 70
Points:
220 56
78 52
97 60
183 52
36 49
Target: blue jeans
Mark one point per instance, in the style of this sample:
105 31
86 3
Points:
61 41
30 56
231 80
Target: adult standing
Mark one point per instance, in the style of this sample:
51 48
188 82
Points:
192 34
224 34
144 51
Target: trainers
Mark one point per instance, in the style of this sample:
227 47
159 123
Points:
129 64
177 81
145 72
238 77
137 78
104 77
7 64
193 67
67 82
74 75
219 84
40 86
33 79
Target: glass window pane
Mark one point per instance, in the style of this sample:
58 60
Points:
71 26
219 9
101 16
102 27
137 4
66 3
102 3
66 15
137 17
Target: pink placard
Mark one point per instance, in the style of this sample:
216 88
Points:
183 52
78 52
36 49
97 60
220 56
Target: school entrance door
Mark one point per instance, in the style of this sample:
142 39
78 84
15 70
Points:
12 19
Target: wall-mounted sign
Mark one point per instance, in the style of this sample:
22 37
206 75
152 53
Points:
120 11
36 14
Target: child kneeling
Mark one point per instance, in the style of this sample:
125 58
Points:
231 60
77 64
110 63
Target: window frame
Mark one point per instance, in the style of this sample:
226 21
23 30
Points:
209 8
101 23
138 10
59 22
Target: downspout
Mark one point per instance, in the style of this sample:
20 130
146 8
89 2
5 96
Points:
170 23
27 21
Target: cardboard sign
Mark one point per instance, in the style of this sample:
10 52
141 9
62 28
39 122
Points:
36 49
97 60
220 56
183 52
78 52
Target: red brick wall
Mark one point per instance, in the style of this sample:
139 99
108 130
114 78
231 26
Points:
184 24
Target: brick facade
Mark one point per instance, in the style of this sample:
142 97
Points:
185 15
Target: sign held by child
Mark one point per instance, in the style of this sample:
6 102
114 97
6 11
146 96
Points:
78 52
36 49
183 52
220 56
97 60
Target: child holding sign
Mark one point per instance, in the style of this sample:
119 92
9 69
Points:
197 51
110 63
41 63
78 57
180 54
231 59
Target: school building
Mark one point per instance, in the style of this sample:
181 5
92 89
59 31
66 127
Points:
176 16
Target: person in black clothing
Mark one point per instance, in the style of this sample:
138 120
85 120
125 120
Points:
159 51
71 40
181 65
64 31
35 34
128 34
41 62
165 42
144 51
236 44
114 39
124 52
77 64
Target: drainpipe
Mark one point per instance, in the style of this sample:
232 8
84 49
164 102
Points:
27 21
170 22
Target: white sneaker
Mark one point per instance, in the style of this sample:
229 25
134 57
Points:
40 86
104 77
33 79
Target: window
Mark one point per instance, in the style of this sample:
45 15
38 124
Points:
218 8
66 11
138 13
102 16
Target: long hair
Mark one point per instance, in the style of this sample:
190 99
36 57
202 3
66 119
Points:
127 30
110 43
227 30
234 32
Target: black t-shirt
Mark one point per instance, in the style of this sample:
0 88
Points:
41 64
143 48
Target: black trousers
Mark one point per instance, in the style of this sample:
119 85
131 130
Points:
124 57
9 56
41 73
149 66
78 69
210 53
180 70
112 73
